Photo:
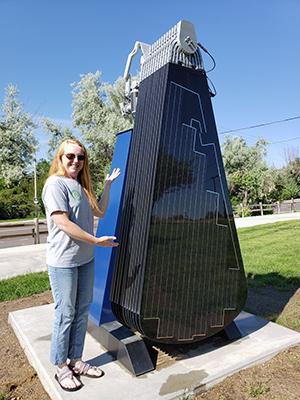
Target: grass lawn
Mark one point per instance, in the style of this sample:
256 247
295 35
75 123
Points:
271 254
23 286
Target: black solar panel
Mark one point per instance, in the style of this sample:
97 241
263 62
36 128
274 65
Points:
179 275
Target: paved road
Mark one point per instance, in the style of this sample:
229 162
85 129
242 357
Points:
19 230
20 241
13 235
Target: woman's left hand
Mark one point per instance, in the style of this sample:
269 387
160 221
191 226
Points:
114 175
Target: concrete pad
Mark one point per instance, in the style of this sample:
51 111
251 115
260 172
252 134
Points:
22 260
202 367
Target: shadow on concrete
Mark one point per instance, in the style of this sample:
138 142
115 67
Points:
100 360
164 355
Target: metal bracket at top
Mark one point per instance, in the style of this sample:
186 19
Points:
179 45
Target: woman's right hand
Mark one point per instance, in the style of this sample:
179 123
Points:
106 241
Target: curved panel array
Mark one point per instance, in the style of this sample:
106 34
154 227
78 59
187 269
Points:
179 274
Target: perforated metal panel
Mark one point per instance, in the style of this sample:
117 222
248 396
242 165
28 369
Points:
179 275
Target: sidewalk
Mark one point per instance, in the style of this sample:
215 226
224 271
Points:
22 260
265 219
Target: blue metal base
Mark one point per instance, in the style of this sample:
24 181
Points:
100 310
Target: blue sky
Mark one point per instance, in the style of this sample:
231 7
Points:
46 45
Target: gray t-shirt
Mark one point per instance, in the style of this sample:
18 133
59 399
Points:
65 194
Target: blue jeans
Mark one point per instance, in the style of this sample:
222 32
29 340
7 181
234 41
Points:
72 290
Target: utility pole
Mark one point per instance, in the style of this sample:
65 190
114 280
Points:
36 207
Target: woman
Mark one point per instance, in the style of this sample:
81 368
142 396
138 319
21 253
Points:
70 207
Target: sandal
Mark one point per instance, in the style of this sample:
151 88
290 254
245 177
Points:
63 374
83 368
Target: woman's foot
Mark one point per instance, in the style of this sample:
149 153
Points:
66 379
80 367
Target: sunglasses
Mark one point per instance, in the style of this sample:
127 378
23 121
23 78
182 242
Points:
71 156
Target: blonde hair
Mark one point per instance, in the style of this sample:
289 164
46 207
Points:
84 177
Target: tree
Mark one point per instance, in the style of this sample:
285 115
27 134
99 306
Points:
17 140
278 177
17 200
290 190
248 176
96 113
291 153
287 178
293 169
291 173
42 169
57 134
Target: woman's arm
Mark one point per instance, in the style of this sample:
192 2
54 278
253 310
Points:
103 203
63 222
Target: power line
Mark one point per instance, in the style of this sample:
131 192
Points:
285 140
260 125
